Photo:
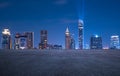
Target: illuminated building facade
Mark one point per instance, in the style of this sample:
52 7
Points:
72 43
80 27
24 41
17 41
44 40
114 44
6 39
96 42
67 39
30 40
20 41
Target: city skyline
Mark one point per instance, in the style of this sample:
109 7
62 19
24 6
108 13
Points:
100 17
26 41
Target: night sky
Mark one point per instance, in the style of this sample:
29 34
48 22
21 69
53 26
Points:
100 17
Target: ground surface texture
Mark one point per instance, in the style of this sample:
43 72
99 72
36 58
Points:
59 63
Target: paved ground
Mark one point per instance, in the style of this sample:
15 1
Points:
60 63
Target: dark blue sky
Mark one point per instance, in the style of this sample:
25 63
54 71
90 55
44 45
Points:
100 17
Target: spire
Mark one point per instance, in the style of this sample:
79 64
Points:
67 30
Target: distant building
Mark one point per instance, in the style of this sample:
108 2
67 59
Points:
86 46
58 47
80 27
24 41
96 42
20 41
72 43
30 40
114 44
43 44
6 39
17 41
67 39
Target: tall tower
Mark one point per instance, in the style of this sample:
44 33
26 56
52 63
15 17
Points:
80 27
72 43
6 39
43 35
30 39
17 41
67 39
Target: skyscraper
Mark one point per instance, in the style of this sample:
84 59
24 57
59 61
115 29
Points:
24 41
67 39
6 39
96 42
114 44
80 27
44 40
17 41
20 41
30 38
72 43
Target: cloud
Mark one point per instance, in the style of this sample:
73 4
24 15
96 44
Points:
60 2
4 4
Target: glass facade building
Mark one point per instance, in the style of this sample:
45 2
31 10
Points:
96 42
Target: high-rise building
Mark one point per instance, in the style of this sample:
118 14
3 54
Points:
17 41
30 38
44 40
20 41
24 41
80 27
72 45
114 44
96 42
67 39
6 39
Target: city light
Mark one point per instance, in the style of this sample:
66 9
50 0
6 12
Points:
115 36
115 42
6 32
60 38
96 36
67 31
80 21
